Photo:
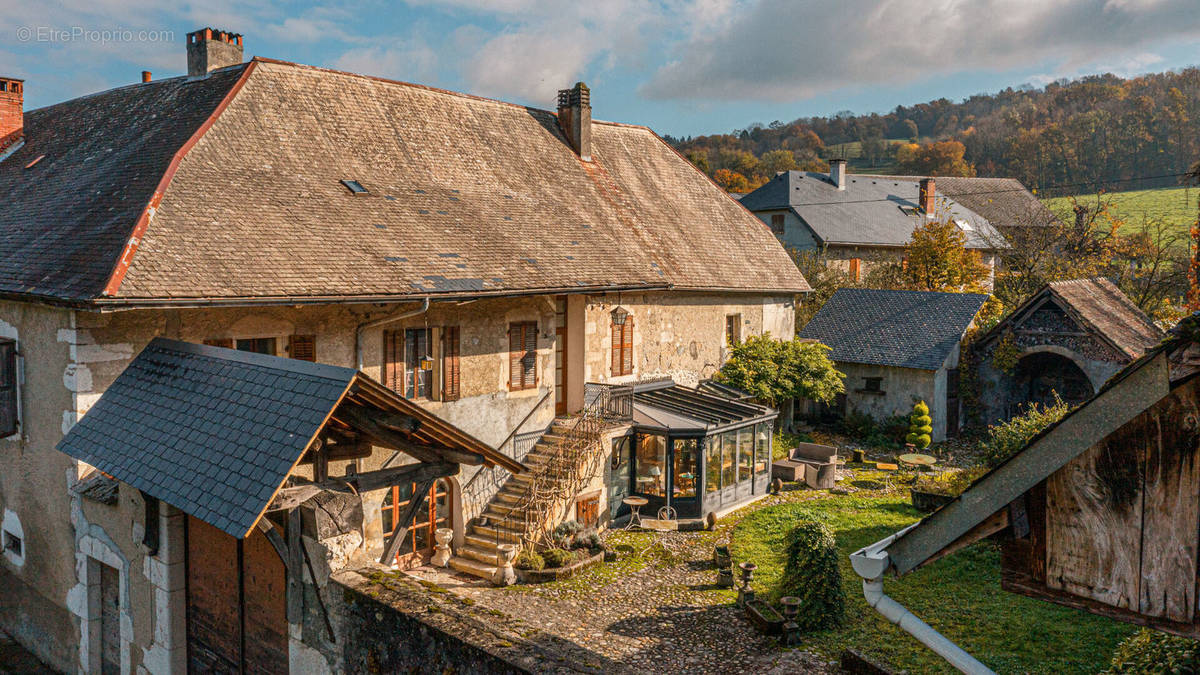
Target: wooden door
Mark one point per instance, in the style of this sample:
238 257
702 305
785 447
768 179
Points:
587 510
952 403
236 603
560 355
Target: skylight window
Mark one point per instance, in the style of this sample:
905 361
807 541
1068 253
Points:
355 187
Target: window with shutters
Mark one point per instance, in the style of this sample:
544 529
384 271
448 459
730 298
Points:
256 345
408 362
855 269
522 355
450 366
777 223
622 347
303 347
9 409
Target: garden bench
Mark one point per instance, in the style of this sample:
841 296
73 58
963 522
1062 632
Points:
814 464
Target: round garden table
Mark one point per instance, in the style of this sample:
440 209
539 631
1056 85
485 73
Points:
918 460
634 504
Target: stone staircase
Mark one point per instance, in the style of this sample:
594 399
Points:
504 521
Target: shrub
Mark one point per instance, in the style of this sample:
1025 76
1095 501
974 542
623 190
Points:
811 573
564 534
589 539
1005 440
858 425
920 426
1151 652
529 559
557 557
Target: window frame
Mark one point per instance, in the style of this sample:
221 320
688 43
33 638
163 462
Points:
872 385
778 223
733 330
10 386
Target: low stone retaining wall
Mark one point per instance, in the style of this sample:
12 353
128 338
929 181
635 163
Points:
555 573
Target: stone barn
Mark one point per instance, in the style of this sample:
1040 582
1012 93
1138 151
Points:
1067 340
1098 512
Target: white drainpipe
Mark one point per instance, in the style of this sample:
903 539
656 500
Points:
870 563
358 334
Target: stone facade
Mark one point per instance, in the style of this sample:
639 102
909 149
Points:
71 357
899 389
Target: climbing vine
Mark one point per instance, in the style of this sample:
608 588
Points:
1006 354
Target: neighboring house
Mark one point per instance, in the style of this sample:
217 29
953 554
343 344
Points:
1065 341
1097 512
495 267
856 220
897 348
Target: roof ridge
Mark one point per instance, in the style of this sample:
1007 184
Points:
311 368
125 259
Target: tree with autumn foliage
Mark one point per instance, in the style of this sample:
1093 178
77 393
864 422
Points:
937 259
942 158
731 181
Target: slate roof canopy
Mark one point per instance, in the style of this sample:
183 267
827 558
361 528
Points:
215 432
229 188
905 329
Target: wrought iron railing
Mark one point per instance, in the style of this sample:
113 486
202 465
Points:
575 457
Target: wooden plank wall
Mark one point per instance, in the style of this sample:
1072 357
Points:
1122 519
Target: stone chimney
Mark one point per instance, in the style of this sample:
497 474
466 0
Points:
12 112
209 49
575 118
926 196
837 173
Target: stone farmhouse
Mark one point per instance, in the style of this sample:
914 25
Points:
470 296
855 220
896 348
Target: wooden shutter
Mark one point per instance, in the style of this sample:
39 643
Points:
303 347
529 360
514 355
393 360
8 388
450 369
617 341
627 346
522 355
227 343
855 263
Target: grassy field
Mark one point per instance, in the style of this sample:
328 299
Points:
959 596
1175 206
852 152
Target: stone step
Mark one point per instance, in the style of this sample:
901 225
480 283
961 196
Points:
510 519
475 539
481 553
474 567
492 531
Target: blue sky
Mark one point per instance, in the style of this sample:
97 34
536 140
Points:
683 67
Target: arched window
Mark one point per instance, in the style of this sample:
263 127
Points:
417 546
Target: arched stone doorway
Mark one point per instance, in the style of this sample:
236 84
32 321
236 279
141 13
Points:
1040 375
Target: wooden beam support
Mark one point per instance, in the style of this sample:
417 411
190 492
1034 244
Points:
364 420
395 421
291 497
272 533
393 542
295 580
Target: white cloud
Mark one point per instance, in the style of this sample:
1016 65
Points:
780 50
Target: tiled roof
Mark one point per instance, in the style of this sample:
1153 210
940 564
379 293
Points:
908 329
211 431
66 219
1003 201
464 196
1110 312
871 211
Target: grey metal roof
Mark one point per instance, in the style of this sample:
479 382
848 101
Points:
871 211
211 431
907 329
677 408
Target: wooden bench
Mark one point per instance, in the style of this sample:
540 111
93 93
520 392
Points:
814 464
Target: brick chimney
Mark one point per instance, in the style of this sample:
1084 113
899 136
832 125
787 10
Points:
209 49
926 196
12 112
146 76
837 173
575 118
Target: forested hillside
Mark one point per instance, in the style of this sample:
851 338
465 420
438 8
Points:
1096 132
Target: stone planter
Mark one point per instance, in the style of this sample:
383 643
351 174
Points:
721 557
505 575
555 573
928 502
441 553
765 618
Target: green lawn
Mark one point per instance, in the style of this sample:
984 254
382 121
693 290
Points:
1176 206
959 596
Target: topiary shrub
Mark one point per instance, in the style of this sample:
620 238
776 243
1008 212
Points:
920 426
557 557
529 559
1151 652
811 573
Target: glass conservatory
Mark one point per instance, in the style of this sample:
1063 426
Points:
693 451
